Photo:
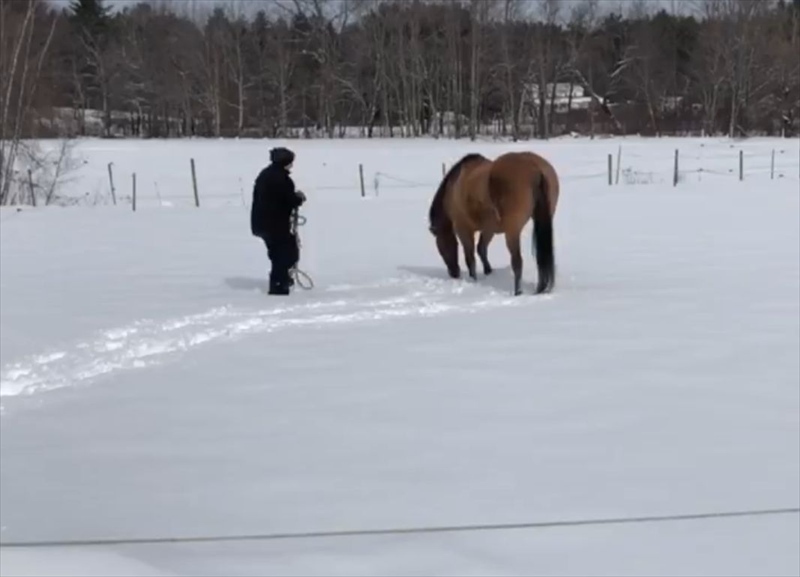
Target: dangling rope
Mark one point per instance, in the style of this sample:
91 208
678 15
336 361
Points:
300 277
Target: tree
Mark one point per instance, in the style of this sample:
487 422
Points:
26 31
449 68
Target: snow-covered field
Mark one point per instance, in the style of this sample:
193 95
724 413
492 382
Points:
149 388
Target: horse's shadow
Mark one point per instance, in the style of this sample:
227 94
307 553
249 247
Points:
243 283
501 279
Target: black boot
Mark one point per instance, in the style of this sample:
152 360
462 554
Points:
279 284
278 289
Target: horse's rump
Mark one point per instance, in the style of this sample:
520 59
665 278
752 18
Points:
513 175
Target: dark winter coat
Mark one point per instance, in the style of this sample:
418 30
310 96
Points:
274 199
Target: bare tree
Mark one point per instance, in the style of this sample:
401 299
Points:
22 55
409 67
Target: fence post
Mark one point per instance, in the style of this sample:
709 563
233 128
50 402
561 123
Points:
675 173
194 185
772 166
30 185
610 169
111 182
619 160
133 190
361 179
741 165
444 170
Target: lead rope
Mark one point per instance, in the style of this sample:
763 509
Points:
300 277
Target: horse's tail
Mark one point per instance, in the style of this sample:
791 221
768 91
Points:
542 238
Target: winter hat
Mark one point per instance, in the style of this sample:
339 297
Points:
281 156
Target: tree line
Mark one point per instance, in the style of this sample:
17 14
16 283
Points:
403 68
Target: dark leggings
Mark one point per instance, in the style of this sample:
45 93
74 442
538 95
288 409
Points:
283 252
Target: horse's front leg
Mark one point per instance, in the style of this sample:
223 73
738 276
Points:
483 251
467 239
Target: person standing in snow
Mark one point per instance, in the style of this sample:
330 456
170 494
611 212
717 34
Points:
274 201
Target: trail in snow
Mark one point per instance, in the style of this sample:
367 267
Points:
149 342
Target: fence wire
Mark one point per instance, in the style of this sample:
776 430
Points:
401 530
631 165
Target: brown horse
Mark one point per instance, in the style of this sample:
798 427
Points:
497 197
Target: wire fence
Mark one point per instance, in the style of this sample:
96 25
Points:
422 530
623 168
628 165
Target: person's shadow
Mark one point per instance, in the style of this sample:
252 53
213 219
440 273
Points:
501 279
247 283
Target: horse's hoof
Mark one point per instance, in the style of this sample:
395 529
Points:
487 271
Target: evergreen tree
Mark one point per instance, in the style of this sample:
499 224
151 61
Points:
90 17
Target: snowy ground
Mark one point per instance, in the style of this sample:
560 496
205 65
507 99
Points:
150 389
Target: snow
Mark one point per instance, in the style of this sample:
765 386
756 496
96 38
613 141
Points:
149 388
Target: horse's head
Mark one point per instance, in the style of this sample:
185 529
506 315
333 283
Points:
447 244
441 227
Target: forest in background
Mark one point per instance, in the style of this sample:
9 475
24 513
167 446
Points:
404 68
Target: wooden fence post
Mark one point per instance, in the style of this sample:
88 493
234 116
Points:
133 190
741 165
31 187
361 179
772 166
111 183
675 172
194 185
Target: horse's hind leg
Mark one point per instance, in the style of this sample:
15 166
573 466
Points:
483 248
512 242
467 239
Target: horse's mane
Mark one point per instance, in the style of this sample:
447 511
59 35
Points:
436 213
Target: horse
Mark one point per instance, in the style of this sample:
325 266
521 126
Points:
497 197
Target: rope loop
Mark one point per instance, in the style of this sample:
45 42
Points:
300 277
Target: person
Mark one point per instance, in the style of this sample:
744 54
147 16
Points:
274 201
